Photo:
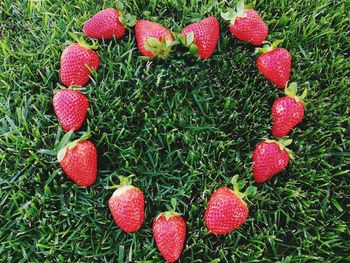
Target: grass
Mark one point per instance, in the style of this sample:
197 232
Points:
182 128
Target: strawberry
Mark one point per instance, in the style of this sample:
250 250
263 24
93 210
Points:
77 61
108 23
153 40
287 111
78 160
201 37
226 209
275 64
70 107
169 231
270 158
246 24
127 206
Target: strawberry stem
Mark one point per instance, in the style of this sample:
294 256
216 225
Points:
193 49
159 48
291 91
251 191
284 142
186 40
65 139
277 42
119 6
232 14
125 18
237 185
303 95
169 214
173 203
189 42
82 41
172 212
66 144
268 47
124 181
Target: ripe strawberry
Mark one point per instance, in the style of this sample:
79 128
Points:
246 24
201 37
275 64
108 23
70 107
78 160
287 111
270 158
226 209
153 40
77 61
104 25
169 231
127 206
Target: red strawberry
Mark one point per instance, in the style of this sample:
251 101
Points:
70 107
201 37
246 24
226 209
287 111
169 231
107 24
275 64
270 158
76 62
127 206
78 160
153 40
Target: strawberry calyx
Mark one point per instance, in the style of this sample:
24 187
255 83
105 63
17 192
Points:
159 48
125 18
189 42
171 213
232 14
82 42
238 185
124 181
55 91
291 91
168 214
65 145
268 46
72 87
283 143
124 186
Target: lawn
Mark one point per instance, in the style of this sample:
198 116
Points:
181 128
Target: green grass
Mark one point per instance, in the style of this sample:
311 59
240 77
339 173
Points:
182 128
